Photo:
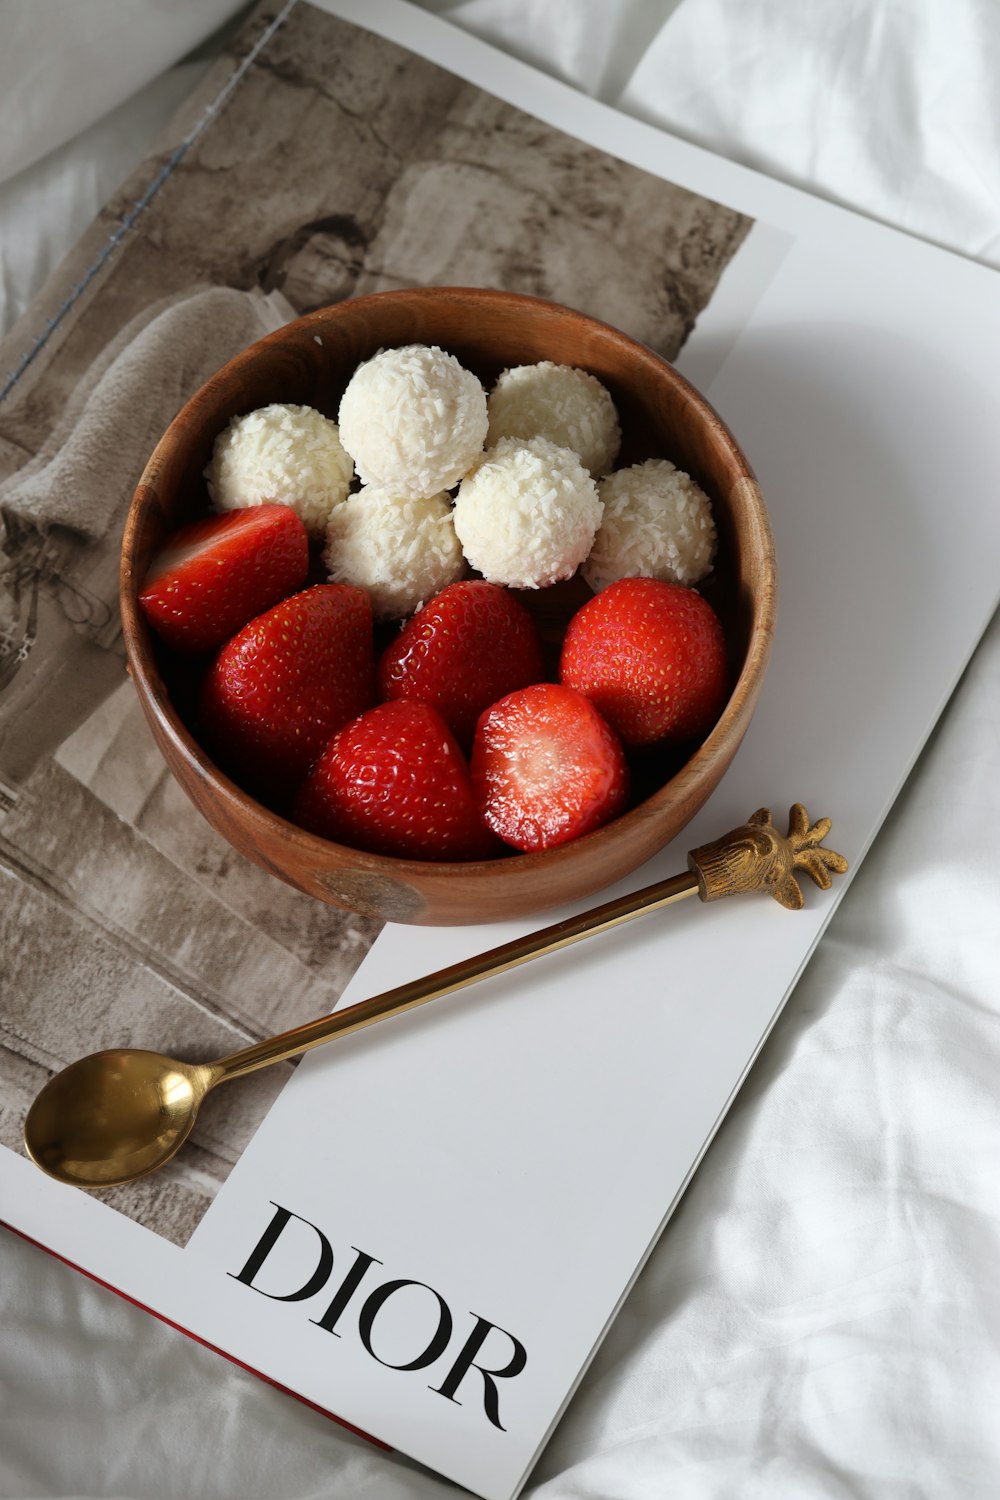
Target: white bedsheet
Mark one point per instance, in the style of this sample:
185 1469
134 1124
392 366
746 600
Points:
821 1317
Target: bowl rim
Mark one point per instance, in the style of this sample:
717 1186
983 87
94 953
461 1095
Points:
152 689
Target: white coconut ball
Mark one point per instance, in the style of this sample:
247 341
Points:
287 455
566 405
402 551
657 524
527 514
413 419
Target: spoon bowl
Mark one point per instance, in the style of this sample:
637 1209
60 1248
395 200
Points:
114 1116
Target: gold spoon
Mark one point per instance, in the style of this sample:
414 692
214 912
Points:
114 1116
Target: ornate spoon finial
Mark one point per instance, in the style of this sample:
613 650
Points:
757 857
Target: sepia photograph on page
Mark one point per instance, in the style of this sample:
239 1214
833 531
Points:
402 174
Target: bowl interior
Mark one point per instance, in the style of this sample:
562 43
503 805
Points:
309 363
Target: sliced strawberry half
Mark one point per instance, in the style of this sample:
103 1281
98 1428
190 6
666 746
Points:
470 645
212 577
395 781
277 692
546 768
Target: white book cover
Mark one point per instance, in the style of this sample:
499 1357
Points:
432 1224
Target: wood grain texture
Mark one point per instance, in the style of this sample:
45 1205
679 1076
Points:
309 362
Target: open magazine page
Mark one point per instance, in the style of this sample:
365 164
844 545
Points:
480 1188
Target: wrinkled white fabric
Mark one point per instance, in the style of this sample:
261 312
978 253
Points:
45 208
64 66
821 1317
886 108
593 46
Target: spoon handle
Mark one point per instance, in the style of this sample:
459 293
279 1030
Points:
455 977
753 857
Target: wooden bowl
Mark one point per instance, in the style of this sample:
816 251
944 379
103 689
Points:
309 362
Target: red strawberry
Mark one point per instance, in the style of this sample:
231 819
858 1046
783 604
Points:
651 657
215 575
546 767
396 782
276 692
469 646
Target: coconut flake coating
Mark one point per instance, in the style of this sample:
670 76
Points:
402 551
657 524
561 403
527 514
289 455
413 419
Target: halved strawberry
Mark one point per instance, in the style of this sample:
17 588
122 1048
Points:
651 656
275 693
212 577
546 767
394 781
466 648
